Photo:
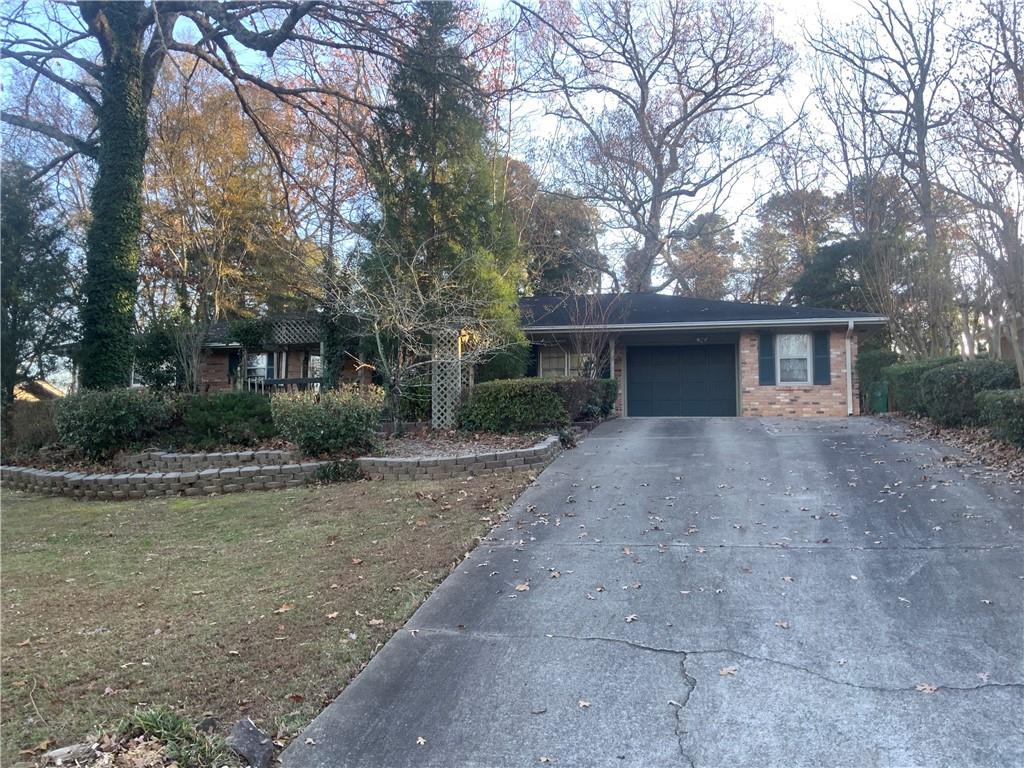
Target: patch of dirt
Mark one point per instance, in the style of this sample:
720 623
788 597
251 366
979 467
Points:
977 445
441 444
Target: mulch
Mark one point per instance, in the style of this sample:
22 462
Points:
437 444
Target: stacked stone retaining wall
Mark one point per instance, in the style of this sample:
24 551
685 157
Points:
438 468
136 485
160 461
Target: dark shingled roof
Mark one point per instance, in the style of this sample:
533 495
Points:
285 328
617 309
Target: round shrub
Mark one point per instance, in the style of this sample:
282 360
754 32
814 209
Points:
226 418
514 405
948 392
905 383
334 422
1002 411
102 422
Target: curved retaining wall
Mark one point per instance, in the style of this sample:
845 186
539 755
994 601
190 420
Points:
160 461
136 485
382 468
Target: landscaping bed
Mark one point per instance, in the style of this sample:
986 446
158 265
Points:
452 443
252 604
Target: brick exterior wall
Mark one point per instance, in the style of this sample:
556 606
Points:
619 375
213 371
796 400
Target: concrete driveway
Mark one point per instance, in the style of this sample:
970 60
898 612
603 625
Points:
715 592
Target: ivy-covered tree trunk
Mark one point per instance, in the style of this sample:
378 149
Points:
112 263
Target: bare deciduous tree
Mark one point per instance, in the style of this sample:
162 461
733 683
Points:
662 101
901 63
986 168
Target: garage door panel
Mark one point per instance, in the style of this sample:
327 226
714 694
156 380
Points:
681 381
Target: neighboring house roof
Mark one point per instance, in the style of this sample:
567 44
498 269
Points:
33 391
285 328
648 311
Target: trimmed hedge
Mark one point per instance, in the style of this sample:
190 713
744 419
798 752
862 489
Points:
102 422
520 405
338 422
948 392
226 418
905 383
1002 411
514 405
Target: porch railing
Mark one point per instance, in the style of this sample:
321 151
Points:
272 386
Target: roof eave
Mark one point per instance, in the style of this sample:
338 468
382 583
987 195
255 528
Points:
707 325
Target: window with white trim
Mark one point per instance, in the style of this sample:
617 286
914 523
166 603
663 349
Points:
259 366
793 358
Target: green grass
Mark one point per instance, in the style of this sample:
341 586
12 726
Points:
218 605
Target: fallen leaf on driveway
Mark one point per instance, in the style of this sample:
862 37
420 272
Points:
631 618
926 688
790 579
701 550
627 551
547 760
420 741
983 676
524 587
728 671
782 624
583 703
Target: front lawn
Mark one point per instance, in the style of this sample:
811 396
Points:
261 604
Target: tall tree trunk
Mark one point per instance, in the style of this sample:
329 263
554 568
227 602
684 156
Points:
112 262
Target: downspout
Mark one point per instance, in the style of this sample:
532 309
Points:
849 369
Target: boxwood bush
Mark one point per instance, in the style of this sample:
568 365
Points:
519 405
1002 411
336 422
514 405
226 418
905 383
102 422
948 392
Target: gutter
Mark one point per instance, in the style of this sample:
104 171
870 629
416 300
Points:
849 369
709 325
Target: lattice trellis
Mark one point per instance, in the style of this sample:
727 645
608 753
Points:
446 379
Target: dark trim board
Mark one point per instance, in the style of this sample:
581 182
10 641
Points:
681 380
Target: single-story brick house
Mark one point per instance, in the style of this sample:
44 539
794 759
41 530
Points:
680 356
672 355
289 358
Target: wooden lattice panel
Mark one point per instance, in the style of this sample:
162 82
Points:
446 379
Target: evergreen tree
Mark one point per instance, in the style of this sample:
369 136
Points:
440 210
36 290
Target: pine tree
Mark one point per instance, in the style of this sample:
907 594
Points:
440 210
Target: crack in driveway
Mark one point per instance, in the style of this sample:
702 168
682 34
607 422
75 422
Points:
685 654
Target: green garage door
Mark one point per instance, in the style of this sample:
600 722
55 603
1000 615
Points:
681 381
